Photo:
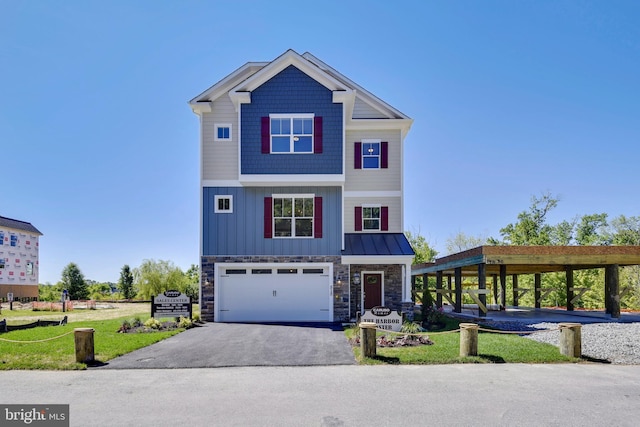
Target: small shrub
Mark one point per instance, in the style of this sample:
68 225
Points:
136 322
195 318
125 326
152 323
185 322
411 328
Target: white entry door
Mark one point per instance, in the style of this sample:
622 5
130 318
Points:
267 293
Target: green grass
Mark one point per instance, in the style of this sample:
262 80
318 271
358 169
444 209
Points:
492 348
59 354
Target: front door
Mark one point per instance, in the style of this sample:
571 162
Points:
372 289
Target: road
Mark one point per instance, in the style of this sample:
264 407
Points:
443 395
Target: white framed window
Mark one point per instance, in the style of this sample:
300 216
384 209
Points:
371 154
222 132
29 268
291 133
371 218
293 215
223 204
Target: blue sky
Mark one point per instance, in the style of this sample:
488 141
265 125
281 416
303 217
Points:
510 99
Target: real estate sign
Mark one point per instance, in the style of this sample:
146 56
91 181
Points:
384 318
171 304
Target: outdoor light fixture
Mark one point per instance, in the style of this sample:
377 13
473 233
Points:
370 150
356 279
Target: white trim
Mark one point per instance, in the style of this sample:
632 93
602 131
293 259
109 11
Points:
368 206
201 213
217 126
218 89
362 156
222 197
293 197
362 273
372 194
377 259
380 124
220 183
259 180
291 135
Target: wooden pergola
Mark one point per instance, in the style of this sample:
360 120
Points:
499 261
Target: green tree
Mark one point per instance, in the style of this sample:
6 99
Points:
589 231
461 242
125 283
625 230
154 277
73 281
531 227
192 288
424 252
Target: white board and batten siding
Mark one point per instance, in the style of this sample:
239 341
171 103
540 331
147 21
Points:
220 158
273 292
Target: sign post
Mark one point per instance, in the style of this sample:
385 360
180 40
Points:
63 299
171 304
10 299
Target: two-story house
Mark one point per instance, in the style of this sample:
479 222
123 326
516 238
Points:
301 176
19 263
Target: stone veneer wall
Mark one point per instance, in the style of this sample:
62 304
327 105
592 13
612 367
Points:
392 285
340 280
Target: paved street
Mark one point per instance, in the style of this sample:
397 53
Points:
443 395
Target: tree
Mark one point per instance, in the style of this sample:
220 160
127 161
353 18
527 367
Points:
424 252
531 227
589 231
154 277
125 284
193 283
461 242
73 281
625 230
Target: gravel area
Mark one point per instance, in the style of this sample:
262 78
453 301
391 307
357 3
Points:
616 343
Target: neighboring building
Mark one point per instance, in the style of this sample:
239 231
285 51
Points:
301 176
19 264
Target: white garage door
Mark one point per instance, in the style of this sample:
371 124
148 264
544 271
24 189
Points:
284 293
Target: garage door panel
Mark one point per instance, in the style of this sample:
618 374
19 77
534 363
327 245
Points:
274 297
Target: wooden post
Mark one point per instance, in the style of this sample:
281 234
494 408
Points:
438 287
503 286
607 290
83 338
368 339
570 339
495 289
482 285
468 339
514 282
537 280
569 273
458 284
613 285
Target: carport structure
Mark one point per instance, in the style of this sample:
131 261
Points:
499 261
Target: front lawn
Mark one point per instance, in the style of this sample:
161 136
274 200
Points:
59 354
492 348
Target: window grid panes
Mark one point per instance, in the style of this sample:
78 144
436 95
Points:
293 216
292 135
371 218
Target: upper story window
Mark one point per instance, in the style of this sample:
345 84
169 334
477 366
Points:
14 240
222 132
1 237
293 216
291 133
371 218
29 268
370 154
223 204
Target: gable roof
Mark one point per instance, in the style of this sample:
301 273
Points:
18 225
239 84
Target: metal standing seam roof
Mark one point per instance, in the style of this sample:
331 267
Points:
381 244
18 225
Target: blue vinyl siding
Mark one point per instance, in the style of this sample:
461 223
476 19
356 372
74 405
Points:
291 91
242 232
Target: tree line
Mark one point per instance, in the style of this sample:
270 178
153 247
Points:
149 279
532 227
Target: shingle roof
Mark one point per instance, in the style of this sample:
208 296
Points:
18 225
382 244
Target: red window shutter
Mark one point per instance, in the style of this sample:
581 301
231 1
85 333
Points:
265 133
268 216
317 135
317 217
358 218
384 154
357 155
384 218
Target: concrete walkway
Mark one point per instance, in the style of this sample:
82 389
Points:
216 345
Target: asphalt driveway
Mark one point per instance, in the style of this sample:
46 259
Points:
238 344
